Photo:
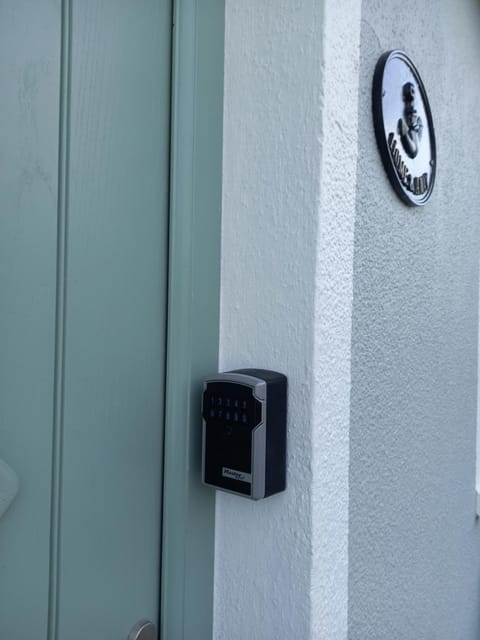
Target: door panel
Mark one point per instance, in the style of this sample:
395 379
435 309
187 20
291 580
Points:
115 317
29 64
107 469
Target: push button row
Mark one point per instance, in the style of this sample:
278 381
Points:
229 416
234 403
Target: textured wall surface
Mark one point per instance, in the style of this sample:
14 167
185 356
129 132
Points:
376 535
414 543
291 89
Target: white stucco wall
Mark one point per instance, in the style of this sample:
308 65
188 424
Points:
414 541
375 536
291 87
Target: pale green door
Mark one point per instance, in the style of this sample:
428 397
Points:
84 163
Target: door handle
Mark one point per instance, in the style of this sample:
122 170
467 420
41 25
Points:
143 630
9 485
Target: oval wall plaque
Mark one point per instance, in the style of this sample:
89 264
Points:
404 127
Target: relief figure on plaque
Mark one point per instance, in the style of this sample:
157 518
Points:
410 127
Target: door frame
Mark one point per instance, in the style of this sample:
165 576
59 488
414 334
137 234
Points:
187 574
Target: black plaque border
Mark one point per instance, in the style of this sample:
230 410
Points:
382 136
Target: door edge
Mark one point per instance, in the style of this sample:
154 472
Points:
187 575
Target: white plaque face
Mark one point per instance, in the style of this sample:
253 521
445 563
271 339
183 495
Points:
404 127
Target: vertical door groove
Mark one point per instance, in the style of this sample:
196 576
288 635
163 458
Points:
62 228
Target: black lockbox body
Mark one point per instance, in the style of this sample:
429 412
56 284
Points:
245 432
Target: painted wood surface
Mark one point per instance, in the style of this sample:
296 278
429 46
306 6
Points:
194 300
83 267
29 72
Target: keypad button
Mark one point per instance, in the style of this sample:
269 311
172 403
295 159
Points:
244 418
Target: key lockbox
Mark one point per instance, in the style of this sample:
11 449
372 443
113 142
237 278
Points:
245 431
